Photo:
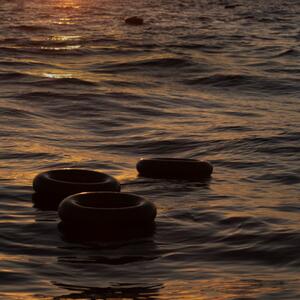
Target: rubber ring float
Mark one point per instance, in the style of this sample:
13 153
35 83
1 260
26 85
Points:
175 168
134 21
112 209
58 184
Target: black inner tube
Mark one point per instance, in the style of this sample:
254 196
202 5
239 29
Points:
176 168
77 176
116 200
187 160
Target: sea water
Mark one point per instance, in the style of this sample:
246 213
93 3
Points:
212 80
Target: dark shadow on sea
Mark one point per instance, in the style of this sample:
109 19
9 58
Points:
79 233
45 202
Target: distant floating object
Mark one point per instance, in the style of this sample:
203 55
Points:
231 6
176 168
134 21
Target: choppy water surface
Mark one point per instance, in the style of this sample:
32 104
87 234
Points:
212 80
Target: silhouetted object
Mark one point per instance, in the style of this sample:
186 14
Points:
230 6
53 186
107 208
134 21
107 215
174 168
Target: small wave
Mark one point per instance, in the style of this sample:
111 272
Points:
283 178
220 80
230 238
126 83
269 255
242 114
48 97
119 291
41 51
14 277
253 238
26 156
37 95
21 64
12 76
159 63
58 82
242 222
233 128
247 82
22 78
289 52
9 50
106 260
269 144
42 81
171 146
30 28
242 164
292 70
293 208
198 46
16 113
195 216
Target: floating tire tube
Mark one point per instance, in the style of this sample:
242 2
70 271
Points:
64 182
134 21
112 209
176 168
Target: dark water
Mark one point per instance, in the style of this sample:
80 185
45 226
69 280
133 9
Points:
205 79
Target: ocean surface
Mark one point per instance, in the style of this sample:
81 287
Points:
212 80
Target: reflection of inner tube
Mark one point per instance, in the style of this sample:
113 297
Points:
77 233
109 209
58 184
45 202
174 168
